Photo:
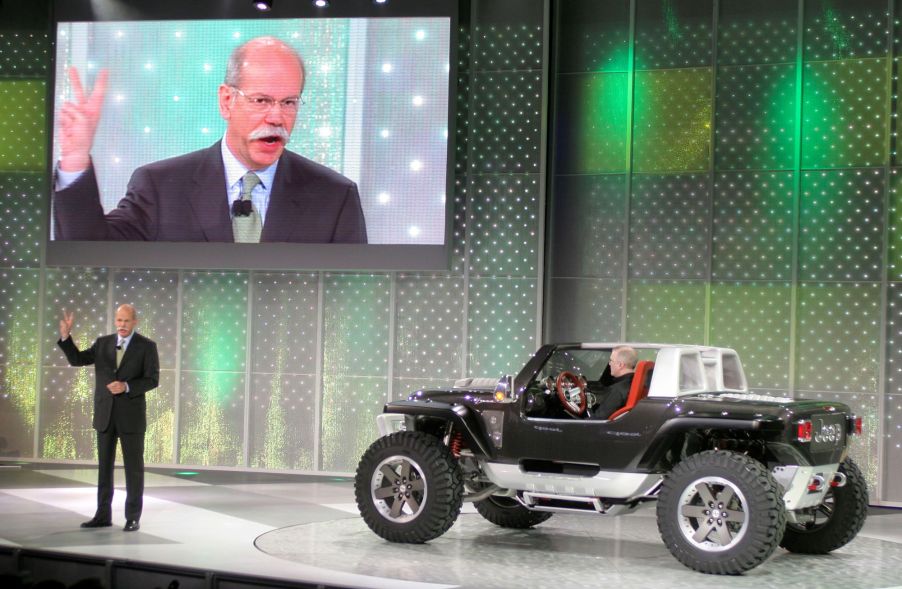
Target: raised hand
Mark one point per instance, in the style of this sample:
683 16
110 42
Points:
66 324
78 121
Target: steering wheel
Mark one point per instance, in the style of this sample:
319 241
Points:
571 391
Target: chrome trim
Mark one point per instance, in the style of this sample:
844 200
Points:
795 479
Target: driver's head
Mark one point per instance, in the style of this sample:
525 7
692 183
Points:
623 360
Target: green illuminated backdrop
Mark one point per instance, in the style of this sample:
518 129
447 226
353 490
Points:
719 171
724 172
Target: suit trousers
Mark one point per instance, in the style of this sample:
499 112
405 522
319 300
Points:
133 459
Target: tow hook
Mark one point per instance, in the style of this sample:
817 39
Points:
816 484
839 480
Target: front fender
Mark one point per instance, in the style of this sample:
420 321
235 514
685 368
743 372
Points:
461 417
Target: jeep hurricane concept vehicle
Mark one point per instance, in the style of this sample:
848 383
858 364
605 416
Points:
732 474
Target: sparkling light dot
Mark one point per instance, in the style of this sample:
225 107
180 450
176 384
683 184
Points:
413 231
417 101
416 165
383 198
384 133
420 35
387 68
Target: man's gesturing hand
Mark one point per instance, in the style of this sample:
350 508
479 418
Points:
78 121
66 324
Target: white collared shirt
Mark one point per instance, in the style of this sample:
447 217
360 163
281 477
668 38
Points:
124 341
235 170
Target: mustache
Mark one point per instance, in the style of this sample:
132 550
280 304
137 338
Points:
270 131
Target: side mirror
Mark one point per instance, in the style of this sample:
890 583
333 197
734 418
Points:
504 388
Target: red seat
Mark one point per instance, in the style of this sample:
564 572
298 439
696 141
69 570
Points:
638 388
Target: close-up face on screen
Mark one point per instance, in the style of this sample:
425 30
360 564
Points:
342 121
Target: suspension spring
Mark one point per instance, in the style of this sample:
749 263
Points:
456 443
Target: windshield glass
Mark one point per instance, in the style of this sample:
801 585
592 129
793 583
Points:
590 364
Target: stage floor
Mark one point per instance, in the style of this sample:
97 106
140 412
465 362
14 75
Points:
306 528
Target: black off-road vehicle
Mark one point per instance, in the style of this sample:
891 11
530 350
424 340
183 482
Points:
733 474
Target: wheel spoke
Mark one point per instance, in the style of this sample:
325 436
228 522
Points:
723 535
417 485
701 534
705 493
383 493
735 516
825 510
412 501
396 507
389 474
725 496
405 470
696 511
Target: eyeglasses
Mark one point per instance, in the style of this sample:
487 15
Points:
263 103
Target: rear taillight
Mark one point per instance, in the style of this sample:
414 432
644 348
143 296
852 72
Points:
855 425
803 431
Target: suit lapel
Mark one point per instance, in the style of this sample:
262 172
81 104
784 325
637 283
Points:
208 196
285 200
110 350
134 348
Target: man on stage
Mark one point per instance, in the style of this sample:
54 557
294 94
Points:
246 188
126 366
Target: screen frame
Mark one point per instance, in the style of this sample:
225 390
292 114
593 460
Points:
257 256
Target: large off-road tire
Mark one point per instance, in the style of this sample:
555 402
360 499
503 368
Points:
837 520
720 512
408 487
508 513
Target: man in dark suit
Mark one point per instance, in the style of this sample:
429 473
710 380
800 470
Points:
612 392
126 366
271 194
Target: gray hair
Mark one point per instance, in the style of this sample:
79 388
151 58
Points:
233 67
627 355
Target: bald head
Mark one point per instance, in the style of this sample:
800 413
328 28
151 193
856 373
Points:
258 51
126 320
623 360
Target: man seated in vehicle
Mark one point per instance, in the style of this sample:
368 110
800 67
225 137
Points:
612 392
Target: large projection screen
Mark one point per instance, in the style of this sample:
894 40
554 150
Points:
375 110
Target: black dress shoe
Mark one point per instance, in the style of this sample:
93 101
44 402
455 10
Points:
97 523
131 525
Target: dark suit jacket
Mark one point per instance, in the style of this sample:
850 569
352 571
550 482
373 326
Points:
140 369
184 199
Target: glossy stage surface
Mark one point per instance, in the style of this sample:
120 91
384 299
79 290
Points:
306 528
